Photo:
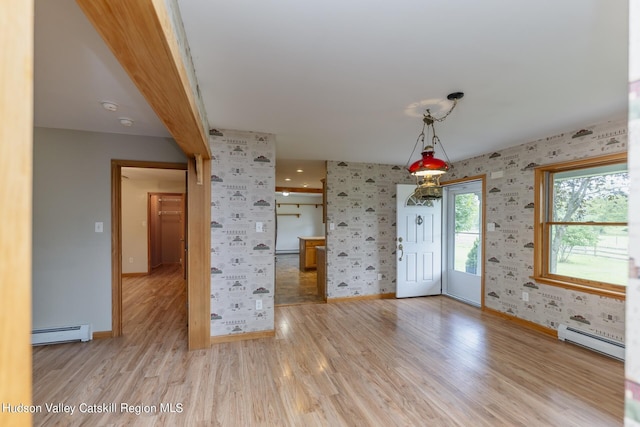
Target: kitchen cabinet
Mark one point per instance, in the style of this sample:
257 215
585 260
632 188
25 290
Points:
308 251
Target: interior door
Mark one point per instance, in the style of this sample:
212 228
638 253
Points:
463 225
418 245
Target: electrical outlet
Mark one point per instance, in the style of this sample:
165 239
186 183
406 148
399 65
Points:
130 260
525 296
258 304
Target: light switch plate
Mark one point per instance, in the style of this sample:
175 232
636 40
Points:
259 227
99 227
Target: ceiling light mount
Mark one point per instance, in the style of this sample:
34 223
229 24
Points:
429 168
125 121
109 106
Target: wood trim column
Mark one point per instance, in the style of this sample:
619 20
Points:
16 175
199 256
116 248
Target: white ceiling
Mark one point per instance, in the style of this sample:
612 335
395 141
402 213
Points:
74 71
336 80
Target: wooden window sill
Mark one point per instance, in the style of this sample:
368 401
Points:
614 291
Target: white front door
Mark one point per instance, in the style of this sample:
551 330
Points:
418 245
463 262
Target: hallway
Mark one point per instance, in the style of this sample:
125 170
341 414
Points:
154 302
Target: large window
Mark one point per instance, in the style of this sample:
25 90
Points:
581 237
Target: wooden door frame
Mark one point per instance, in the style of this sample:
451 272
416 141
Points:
116 232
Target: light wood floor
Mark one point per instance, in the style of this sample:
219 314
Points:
294 286
414 362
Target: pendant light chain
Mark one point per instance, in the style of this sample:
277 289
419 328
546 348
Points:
428 120
441 119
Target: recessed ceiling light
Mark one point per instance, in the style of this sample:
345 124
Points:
109 106
125 121
287 179
299 170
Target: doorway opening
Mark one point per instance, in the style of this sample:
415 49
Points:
300 245
132 181
300 232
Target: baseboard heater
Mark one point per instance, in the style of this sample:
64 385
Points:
60 335
606 346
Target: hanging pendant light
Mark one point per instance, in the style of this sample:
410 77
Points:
429 168
429 164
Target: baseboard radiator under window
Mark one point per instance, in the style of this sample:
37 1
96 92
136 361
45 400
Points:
606 346
60 335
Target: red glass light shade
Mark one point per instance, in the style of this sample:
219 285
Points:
428 165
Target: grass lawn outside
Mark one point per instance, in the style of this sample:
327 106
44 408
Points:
608 270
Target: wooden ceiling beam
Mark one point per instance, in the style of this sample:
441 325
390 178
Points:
148 40
300 190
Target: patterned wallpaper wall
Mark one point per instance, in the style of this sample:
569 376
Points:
361 204
242 259
509 258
